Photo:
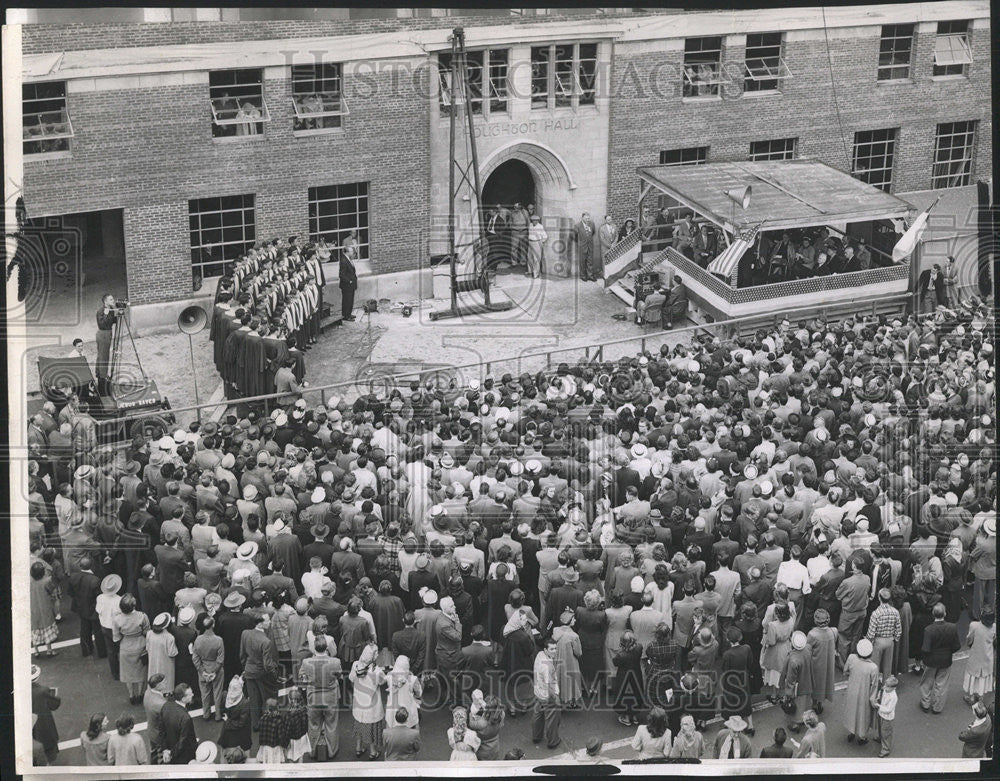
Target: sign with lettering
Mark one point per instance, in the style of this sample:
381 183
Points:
495 129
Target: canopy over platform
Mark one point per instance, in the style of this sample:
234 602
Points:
786 194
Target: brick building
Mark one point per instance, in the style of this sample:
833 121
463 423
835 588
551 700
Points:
128 134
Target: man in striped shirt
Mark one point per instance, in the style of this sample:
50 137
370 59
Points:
884 630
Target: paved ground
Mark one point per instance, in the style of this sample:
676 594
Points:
85 686
562 317
165 358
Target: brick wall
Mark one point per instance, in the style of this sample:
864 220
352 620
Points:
149 151
643 123
39 38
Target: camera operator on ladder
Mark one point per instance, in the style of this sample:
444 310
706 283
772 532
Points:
107 319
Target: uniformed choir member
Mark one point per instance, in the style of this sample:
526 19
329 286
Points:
267 312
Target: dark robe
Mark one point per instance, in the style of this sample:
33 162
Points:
233 358
254 364
222 318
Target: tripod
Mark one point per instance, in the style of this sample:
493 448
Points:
114 366
369 342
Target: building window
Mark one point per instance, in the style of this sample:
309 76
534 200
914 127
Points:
237 101
952 53
338 210
691 155
764 64
45 118
702 67
873 154
495 87
776 149
317 98
954 147
563 75
222 229
895 52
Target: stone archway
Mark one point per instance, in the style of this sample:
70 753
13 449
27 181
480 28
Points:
552 187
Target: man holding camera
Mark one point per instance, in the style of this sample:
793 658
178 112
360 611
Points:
107 318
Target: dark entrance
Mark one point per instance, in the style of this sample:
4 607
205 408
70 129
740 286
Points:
74 260
512 182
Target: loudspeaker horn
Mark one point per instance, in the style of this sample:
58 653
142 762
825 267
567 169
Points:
740 196
192 320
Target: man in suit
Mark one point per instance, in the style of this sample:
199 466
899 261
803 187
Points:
208 657
519 222
84 586
409 642
179 741
496 235
170 564
321 674
607 234
260 666
931 278
584 232
348 284
677 304
940 644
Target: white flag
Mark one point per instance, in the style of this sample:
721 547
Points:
908 241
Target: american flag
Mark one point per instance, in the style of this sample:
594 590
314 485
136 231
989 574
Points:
726 262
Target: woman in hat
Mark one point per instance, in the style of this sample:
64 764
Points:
366 706
617 614
43 606
627 688
517 660
236 727
796 680
404 691
567 660
981 640
94 740
822 644
862 684
129 629
126 747
161 649
107 607
355 633
591 625
775 647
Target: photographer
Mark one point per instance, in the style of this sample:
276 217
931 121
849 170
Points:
107 318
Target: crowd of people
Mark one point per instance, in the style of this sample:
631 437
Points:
665 538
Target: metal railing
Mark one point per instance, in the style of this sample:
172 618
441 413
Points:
369 380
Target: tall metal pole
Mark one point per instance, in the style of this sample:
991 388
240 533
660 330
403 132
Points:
452 124
479 228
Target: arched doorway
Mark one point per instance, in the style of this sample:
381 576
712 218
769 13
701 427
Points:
511 182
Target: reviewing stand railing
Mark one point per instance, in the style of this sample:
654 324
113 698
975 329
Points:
545 360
